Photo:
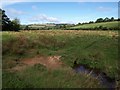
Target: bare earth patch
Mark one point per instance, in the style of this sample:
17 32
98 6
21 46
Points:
51 62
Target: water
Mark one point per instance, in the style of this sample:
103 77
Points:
101 76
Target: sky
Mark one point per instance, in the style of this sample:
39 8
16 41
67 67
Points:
60 12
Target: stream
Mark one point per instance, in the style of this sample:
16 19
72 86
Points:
105 80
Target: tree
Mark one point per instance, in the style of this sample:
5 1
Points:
99 20
118 19
79 23
16 24
112 19
27 27
91 22
106 19
6 23
0 19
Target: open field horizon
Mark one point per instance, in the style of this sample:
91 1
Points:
60 45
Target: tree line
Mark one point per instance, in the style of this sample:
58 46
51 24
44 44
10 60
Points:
99 20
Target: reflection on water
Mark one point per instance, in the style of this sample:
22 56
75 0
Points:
101 76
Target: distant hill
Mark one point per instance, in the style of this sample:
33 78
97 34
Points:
46 26
95 26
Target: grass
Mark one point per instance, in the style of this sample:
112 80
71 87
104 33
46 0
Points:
109 25
39 77
96 49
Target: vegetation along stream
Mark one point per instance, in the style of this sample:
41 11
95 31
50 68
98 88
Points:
105 80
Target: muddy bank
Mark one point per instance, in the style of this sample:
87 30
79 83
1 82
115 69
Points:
103 78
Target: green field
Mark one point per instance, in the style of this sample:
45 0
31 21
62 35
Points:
96 49
103 25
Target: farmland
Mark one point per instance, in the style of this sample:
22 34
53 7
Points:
102 26
25 52
110 25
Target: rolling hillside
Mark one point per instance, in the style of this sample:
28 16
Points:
103 25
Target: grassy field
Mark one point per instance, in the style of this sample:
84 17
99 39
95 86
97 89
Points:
96 49
103 25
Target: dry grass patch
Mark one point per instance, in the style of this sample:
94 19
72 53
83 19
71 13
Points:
51 62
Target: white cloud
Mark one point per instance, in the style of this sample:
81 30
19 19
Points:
52 19
43 18
68 22
14 13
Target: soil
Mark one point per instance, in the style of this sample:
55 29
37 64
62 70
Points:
51 62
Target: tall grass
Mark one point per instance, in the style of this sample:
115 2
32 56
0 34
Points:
96 49
39 77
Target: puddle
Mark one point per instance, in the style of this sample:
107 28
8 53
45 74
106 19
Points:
101 76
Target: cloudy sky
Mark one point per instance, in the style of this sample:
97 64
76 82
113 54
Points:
59 12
